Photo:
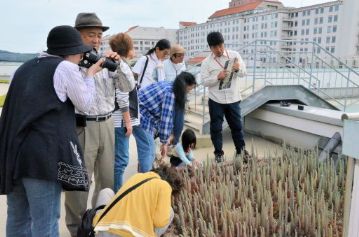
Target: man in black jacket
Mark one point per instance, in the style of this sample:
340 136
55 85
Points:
39 150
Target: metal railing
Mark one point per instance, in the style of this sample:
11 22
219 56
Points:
290 62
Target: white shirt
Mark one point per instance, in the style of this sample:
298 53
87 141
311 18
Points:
154 71
172 70
209 71
70 83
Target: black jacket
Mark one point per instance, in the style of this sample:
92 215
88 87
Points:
37 131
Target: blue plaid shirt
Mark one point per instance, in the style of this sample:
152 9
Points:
156 103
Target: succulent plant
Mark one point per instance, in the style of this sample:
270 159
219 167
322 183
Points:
290 194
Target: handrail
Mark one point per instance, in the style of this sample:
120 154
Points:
346 77
270 64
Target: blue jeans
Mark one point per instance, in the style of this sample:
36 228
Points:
178 121
33 209
232 112
145 153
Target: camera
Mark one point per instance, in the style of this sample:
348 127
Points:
91 57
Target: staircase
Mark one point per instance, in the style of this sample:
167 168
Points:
273 74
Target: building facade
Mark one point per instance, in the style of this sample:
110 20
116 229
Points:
283 28
144 38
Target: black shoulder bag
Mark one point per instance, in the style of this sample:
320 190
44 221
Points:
86 229
143 73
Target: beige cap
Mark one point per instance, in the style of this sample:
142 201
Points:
176 48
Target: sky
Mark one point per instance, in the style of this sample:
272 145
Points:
26 23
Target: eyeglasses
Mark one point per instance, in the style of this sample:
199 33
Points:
178 55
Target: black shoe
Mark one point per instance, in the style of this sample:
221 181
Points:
219 158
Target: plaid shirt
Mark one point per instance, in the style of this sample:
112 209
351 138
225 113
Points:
156 107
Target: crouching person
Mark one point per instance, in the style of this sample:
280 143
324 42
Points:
40 153
144 208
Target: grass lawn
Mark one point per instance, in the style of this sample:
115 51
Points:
3 80
2 100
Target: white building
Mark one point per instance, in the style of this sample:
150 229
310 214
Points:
331 25
145 38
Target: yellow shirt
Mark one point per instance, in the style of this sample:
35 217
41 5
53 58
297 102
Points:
139 212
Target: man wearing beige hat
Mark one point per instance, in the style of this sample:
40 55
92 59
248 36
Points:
95 129
174 65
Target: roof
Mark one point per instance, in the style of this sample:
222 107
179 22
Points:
131 28
187 23
238 9
195 60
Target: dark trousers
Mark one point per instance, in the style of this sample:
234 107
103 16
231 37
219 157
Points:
178 121
232 112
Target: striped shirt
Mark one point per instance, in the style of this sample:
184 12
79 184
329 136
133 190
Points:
156 107
122 99
70 83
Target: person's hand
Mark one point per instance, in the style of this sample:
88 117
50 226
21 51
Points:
95 68
164 148
113 55
236 66
128 129
196 164
170 140
222 75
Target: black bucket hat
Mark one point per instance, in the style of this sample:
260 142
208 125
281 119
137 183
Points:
87 20
65 40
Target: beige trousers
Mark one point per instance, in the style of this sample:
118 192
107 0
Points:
97 142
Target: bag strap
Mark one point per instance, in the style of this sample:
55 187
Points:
121 196
144 70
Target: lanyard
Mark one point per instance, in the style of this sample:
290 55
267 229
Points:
220 64
173 65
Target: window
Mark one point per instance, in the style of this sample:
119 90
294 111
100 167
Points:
328 40
329 30
315 31
315 21
333 39
307 31
335 18
319 30
303 22
322 10
319 40
308 22
334 29
321 20
336 8
331 9
330 19
332 50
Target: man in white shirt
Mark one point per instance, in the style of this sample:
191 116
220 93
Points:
224 93
174 65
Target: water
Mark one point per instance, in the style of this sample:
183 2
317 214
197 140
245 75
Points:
7 69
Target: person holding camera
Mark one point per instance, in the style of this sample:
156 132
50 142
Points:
224 93
95 129
40 154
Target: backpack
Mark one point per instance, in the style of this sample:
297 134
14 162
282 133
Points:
87 229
